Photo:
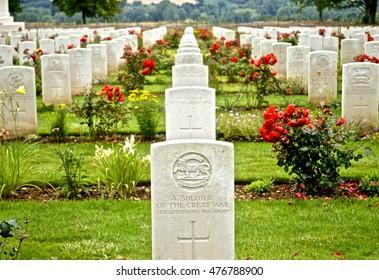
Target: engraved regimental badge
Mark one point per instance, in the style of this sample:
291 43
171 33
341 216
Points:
192 171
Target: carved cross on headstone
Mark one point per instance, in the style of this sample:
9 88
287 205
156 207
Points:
193 239
359 108
190 127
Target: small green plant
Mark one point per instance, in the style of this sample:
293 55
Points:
146 110
370 185
260 186
8 229
73 174
120 168
18 167
236 126
58 127
104 112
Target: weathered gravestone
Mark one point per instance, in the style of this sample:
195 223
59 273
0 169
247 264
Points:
25 48
192 182
297 64
322 88
280 51
47 46
20 116
6 57
99 62
372 49
350 48
188 58
360 93
331 44
56 81
80 70
112 55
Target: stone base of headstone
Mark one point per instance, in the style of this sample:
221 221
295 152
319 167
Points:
192 200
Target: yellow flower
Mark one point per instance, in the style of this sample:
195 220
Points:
21 90
62 106
136 107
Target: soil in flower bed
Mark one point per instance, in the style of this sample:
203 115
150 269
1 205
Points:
279 191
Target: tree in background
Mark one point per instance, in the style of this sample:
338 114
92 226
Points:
320 5
106 9
368 7
14 7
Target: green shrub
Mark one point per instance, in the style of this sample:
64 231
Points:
370 185
8 229
260 186
18 166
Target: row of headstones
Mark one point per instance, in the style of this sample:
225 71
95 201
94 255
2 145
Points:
317 71
192 174
63 75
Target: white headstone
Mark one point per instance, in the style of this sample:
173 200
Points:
280 51
189 75
190 113
322 87
266 46
61 44
316 42
24 48
331 44
297 64
372 49
80 70
360 93
47 46
6 56
56 81
99 62
350 48
112 55
15 40
24 106
188 58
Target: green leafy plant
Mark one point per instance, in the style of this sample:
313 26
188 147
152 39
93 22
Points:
146 110
369 185
310 148
260 186
237 126
8 229
120 168
259 81
18 167
58 127
103 112
74 186
137 66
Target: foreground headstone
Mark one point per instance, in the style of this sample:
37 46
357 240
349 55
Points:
192 200
56 81
20 116
360 93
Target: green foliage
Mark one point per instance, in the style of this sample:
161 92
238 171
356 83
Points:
18 166
309 148
103 113
370 185
239 126
7 230
146 110
89 8
58 127
137 66
260 186
72 165
120 168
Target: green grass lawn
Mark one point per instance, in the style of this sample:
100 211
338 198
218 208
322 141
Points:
264 230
